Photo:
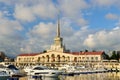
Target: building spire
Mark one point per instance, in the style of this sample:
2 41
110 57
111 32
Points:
58 28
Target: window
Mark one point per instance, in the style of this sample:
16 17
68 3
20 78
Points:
19 59
83 57
96 58
87 58
92 58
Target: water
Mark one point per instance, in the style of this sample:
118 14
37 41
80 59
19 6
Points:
97 76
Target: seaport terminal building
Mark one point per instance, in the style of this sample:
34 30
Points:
58 55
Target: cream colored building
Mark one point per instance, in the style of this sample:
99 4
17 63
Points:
57 55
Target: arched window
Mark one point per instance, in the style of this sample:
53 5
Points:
38 59
47 57
63 58
53 58
68 59
75 59
58 58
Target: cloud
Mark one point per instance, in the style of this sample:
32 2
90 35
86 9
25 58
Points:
43 30
116 28
43 9
40 34
39 37
72 8
103 40
9 27
28 10
24 13
43 35
24 2
1 14
112 16
105 3
10 36
82 22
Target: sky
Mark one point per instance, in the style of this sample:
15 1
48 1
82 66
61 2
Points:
29 26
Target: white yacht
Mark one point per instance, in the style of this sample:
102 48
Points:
9 70
71 70
42 71
4 72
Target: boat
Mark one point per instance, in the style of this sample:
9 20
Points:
76 70
40 70
4 72
15 72
72 70
9 71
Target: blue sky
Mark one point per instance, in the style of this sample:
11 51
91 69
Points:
29 26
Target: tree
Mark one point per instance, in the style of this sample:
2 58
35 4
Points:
86 50
106 56
93 50
118 55
114 55
44 51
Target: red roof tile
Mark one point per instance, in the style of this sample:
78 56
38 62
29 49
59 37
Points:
74 53
88 53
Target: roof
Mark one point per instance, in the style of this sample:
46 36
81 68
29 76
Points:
28 54
73 53
88 53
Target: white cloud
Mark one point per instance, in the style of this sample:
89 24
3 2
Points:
103 40
16 2
9 27
9 35
1 14
43 9
72 8
90 41
24 13
41 35
112 16
28 10
82 22
43 30
116 28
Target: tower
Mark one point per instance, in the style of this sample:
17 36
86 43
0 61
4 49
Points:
58 41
